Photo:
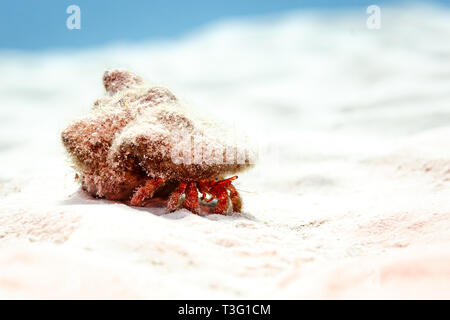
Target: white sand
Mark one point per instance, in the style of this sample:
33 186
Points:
350 199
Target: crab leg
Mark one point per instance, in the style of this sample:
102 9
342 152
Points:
174 199
235 199
191 201
146 191
222 203
202 189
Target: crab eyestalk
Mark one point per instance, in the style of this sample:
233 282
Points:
225 182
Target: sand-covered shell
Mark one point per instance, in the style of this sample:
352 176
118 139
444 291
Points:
137 131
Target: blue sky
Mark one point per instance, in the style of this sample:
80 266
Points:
41 24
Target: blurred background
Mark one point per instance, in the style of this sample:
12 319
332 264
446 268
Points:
287 71
350 110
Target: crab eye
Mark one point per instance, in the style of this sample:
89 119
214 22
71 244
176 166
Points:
217 179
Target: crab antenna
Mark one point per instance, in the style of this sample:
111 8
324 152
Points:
226 180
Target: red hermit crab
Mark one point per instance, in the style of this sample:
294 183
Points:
141 141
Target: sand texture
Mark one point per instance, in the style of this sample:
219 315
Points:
350 197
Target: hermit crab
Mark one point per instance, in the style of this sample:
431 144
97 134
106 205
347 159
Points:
140 141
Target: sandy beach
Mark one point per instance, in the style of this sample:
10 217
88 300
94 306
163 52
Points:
350 197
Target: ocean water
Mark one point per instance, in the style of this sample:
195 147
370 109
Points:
41 25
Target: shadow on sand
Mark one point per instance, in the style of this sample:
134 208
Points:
157 206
